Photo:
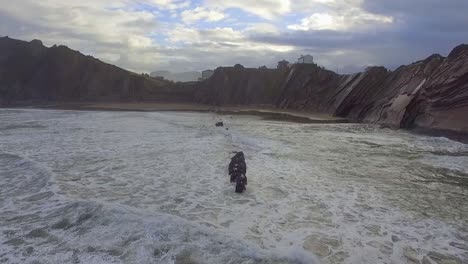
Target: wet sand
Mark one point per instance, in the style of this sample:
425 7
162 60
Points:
265 111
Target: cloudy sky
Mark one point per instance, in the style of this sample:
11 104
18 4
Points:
183 35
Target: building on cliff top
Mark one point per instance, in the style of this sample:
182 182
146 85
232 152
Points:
207 74
283 65
306 59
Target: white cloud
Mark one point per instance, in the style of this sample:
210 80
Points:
86 19
263 28
201 13
268 9
223 38
166 4
103 29
349 20
319 14
320 22
124 34
146 35
220 46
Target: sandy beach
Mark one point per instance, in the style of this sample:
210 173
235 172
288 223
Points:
266 111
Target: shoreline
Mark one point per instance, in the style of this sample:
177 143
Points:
265 112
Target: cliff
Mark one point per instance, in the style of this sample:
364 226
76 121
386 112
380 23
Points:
442 102
429 94
32 72
240 86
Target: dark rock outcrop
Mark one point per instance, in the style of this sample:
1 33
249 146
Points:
442 103
380 96
32 72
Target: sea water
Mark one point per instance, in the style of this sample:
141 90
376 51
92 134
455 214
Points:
149 187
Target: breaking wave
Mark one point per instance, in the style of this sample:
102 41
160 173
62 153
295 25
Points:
115 187
40 226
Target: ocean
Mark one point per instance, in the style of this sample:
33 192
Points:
152 187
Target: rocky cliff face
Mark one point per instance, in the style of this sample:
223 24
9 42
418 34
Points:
429 94
309 87
381 96
30 71
442 101
240 86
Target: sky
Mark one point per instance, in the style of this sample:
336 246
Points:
186 35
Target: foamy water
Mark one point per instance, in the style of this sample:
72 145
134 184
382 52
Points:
129 187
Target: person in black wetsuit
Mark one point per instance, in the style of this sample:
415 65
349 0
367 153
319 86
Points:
241 182
237 164
238 170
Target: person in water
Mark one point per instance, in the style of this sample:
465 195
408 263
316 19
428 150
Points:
238 170
237 164
241 182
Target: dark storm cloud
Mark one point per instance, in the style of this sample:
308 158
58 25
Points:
322 39
420 28
425 18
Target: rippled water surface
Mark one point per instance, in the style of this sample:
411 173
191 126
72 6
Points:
129 187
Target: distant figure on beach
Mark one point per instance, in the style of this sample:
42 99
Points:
238 170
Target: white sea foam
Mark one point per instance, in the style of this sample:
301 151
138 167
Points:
115 187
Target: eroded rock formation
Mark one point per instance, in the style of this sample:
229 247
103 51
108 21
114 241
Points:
429 94
442 102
